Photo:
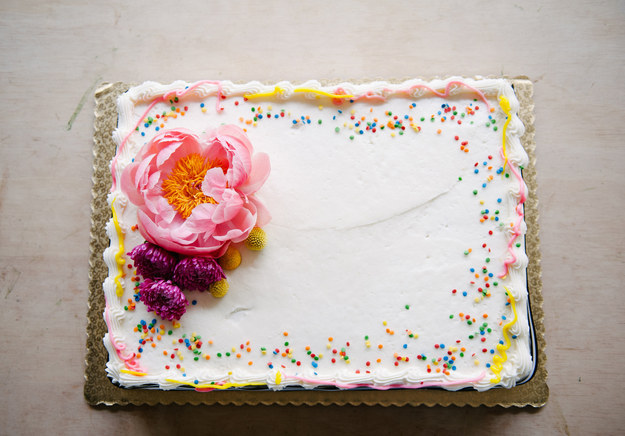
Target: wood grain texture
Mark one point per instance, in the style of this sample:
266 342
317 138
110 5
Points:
53 53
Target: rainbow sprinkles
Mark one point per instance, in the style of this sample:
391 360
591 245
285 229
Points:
411 193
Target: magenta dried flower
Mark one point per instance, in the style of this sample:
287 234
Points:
164 298
197 273
153 261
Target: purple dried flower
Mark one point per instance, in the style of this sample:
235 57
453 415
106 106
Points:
164 298
197 273
153 261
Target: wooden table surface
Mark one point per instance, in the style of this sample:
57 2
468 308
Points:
55 53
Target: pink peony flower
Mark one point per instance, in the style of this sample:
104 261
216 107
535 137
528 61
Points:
195 195
197 273
164 298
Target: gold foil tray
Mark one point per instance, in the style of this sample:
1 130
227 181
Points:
99 390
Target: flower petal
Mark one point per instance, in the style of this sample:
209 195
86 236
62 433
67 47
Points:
238 228
178 144
128 185
235 135
214 183
261 167
229 206
238 152
262 213
160 208
201 219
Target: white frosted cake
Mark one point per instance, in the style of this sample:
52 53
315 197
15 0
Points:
356 235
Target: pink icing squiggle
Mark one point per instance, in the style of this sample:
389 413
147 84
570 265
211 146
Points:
447 88
379 388
338 101
372 96
387 387
517 224
129 360
165 97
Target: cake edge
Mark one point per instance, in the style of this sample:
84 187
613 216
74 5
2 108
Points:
105 121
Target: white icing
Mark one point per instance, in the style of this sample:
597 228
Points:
361 228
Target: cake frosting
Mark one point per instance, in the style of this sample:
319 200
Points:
392 223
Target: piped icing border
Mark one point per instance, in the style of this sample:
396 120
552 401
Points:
516 230
129 360
278 380
498 361
339 93
118 256
369 95
278 91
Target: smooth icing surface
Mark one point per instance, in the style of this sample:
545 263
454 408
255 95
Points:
395 255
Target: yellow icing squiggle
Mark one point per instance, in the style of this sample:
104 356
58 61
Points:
214 386
498 361
504 103
128 371
318 92
277 90
118 256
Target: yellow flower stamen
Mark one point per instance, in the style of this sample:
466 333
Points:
183 186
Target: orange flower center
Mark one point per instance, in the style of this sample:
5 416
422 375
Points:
183 186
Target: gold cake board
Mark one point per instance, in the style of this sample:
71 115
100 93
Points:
99 390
